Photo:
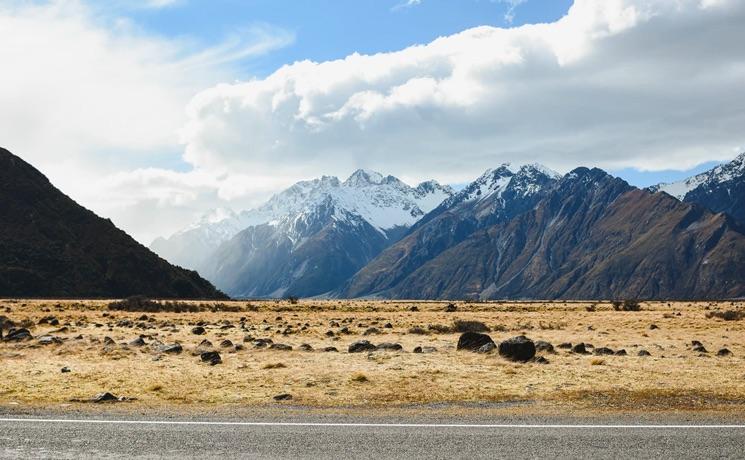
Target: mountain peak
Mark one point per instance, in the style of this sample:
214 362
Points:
364 177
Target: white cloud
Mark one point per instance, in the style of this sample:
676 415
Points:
651 84
406 4
84 95
509 15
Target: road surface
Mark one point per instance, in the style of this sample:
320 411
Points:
362 437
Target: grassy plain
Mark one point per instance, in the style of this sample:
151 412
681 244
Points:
674 377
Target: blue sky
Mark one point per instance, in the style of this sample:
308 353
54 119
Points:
332 29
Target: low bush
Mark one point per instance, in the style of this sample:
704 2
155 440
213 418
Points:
144 304
626 305
470 326
727 315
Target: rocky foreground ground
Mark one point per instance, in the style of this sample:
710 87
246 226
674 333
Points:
590 355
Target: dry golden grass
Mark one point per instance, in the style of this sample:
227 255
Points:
674 377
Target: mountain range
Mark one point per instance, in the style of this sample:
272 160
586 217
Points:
52 247
515 232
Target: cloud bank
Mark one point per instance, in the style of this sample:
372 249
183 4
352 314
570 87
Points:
649 84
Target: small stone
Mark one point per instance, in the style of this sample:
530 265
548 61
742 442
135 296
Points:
283 397
211 357
580 349
389 346
487 348
199 330
724 352
361 346
65 370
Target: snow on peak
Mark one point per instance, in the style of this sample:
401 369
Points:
717 175
365 177
525 180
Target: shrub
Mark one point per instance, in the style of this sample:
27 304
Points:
626 305
439 328
292 299
143 304
470 326
728 315
360 378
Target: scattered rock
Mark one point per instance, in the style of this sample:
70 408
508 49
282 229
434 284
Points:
262 343
700 349
330 350
138 342
211 357
565 346
280 347
486 348
226 344
49 340
724 352
18 335
451 308
203 347
580 349
305 347
361 346
644 353
603 351
173 348
696 343
389 346
65 370
388 326
425 350
653 327
371 331
621 352
107 397
543 346
283 397
199 330
472 341
541 360
518 348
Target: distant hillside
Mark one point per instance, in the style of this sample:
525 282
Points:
591 236
52 247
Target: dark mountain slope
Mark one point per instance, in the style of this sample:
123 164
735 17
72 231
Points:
495 197
52 247
721 189
303 255
594 236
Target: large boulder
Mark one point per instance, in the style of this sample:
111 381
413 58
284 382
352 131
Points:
472 341
518 348
17 335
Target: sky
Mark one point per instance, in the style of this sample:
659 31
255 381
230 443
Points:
152 112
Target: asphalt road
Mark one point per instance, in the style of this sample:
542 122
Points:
361 437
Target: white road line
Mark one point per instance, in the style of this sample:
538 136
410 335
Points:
363 425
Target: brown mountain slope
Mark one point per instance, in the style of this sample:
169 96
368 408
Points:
52 247
592 237
495 197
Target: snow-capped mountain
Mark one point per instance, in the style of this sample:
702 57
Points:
366 199
721 189
495 197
